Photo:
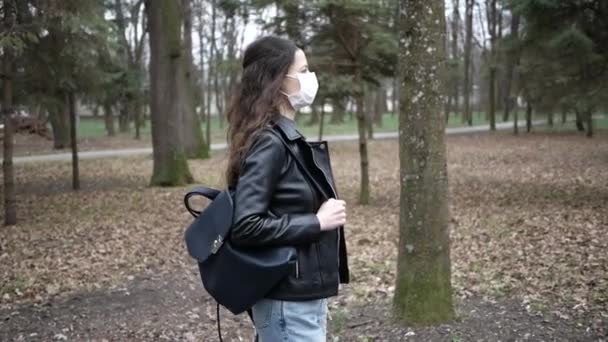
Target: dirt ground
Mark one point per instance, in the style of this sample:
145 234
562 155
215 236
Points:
528 246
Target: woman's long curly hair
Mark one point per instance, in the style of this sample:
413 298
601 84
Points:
257 99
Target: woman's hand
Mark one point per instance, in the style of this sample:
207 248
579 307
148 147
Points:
332 214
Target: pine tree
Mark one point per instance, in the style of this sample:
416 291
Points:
564 55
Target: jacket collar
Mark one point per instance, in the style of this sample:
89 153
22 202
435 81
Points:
289 127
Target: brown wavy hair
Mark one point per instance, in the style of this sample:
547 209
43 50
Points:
256 100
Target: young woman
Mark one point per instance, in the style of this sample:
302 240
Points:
275 84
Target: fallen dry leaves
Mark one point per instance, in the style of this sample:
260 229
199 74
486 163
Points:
529 219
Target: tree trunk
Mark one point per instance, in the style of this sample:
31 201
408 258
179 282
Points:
395 96
71 99
167 84
59 119
368 110
528 116
579 121
123 116
423 292
10 195
124 105
511 62
337 113
212 63
589 117
314 116
109 119
379 106
492 87
194 142
515 123
217 59
468 44
203 102
322 120
361 123
452 104
448 107
138 118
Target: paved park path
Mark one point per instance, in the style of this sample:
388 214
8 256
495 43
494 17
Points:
503 126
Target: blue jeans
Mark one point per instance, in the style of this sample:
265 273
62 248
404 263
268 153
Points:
279 320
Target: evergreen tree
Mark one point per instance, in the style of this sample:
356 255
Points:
565 55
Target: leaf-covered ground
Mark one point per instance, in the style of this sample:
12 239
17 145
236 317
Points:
529 242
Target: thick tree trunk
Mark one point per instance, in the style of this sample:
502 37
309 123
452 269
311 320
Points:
194 142
423 292
71 99
10 195
167 84
361 123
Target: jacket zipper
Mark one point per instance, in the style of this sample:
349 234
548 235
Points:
335 194
297 265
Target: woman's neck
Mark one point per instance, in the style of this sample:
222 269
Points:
288 112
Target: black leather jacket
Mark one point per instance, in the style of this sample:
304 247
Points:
270 180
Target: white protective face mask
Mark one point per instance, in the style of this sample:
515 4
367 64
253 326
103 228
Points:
308 90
